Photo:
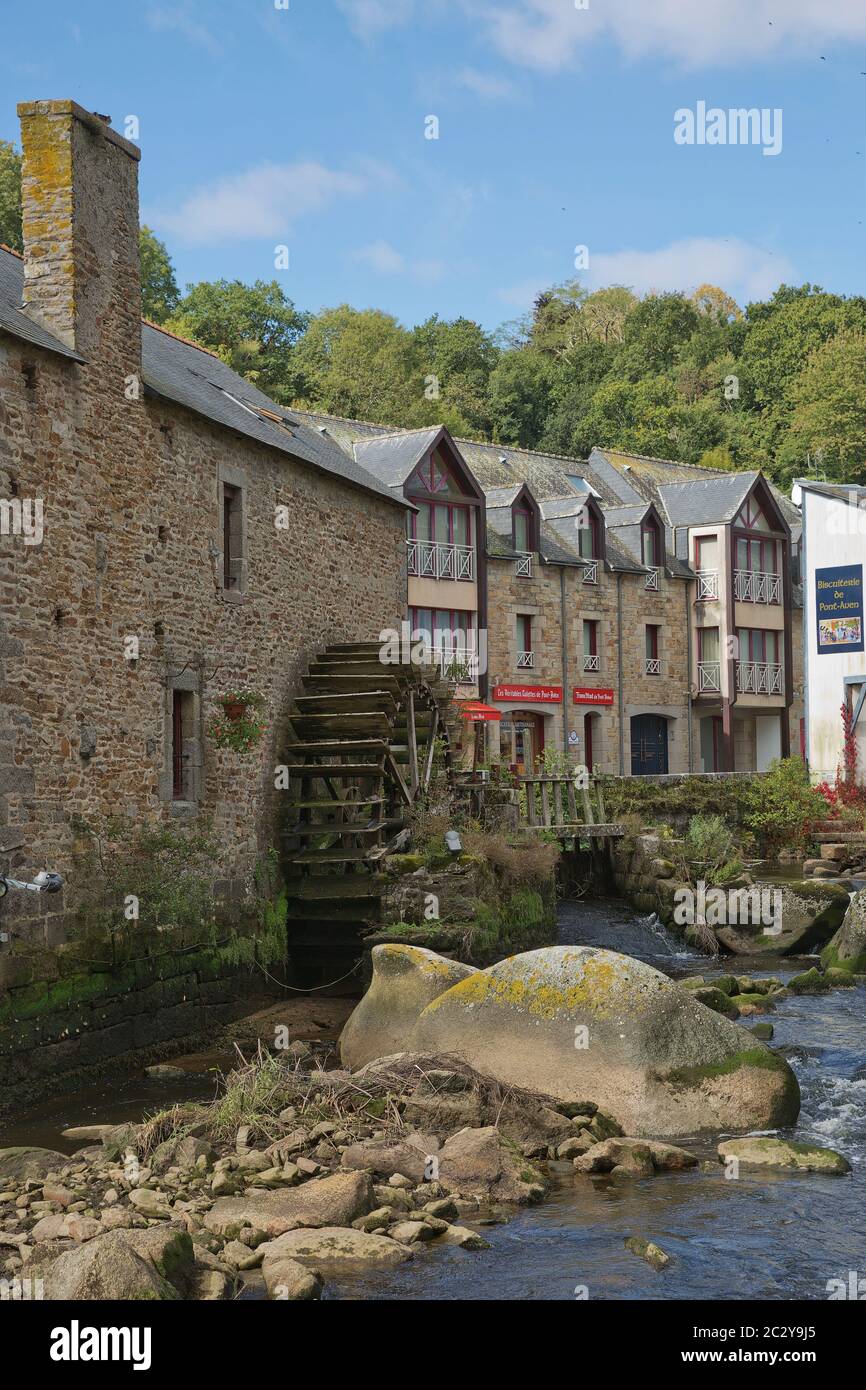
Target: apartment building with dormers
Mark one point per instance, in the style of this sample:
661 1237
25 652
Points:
634 614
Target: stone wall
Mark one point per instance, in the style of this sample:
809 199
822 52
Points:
64 1019
131 486
540 596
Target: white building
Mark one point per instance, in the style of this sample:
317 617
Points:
833 556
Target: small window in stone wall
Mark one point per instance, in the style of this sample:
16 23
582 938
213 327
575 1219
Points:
181 778
233 538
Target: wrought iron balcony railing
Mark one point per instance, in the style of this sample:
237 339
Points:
759 678
753 586
709 677
708 584
435 560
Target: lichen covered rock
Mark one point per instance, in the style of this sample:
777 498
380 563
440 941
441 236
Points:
584 1023
847 950
405 980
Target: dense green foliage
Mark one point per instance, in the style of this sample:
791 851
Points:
780 385
781 808
159 292
10 196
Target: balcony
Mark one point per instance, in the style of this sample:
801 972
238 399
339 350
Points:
652 666
752 586
590 572
435 560
651 580
708 584
759 678
591 663
709 677
525 661
458 666
523 565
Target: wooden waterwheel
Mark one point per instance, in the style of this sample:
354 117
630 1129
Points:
366 738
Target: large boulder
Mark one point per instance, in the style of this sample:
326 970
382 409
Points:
22 1163
847 950
802 915
483 1163
581 1023
335 1201
104 1268
759 1151
330 1250
405 980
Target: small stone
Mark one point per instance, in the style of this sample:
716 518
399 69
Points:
649 1251
400 1180
464 1238
411 1232
148 1202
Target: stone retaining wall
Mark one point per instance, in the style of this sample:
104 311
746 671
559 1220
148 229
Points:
64 1020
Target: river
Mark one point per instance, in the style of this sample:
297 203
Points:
764 1236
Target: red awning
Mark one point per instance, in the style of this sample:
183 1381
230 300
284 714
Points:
478 712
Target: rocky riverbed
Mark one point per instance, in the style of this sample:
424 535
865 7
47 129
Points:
421 1176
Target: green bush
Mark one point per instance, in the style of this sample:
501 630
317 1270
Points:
709 851
780 808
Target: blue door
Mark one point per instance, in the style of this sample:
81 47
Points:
649 744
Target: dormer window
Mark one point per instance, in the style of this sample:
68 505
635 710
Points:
588 535
522 529
650 543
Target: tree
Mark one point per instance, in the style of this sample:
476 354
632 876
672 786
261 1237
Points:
655 333
519 397
457 359
709 299
10 196
254 328
159 292
828 418
363 364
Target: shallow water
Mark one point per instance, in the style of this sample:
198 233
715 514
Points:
757 1237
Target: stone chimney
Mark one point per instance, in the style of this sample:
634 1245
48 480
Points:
81 257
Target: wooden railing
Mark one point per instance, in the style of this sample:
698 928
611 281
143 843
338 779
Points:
565 804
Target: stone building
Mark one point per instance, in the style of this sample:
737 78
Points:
169 535
640 612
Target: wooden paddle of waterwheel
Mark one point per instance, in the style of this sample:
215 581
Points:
366 737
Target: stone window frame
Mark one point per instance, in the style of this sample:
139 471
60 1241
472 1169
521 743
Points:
526 610
188 680
230 476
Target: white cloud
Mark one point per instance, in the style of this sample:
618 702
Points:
260 202
745 271
484 84
178 19
522 296
382 257
371 17
551 35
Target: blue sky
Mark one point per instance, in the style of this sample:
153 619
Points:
305 126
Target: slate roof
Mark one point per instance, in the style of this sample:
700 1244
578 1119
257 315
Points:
192 377
12 320
392 457
706 499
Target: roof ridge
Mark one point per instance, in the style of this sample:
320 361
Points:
675 463
11 250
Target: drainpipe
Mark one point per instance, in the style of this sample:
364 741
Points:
564 628
686 588
619 672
